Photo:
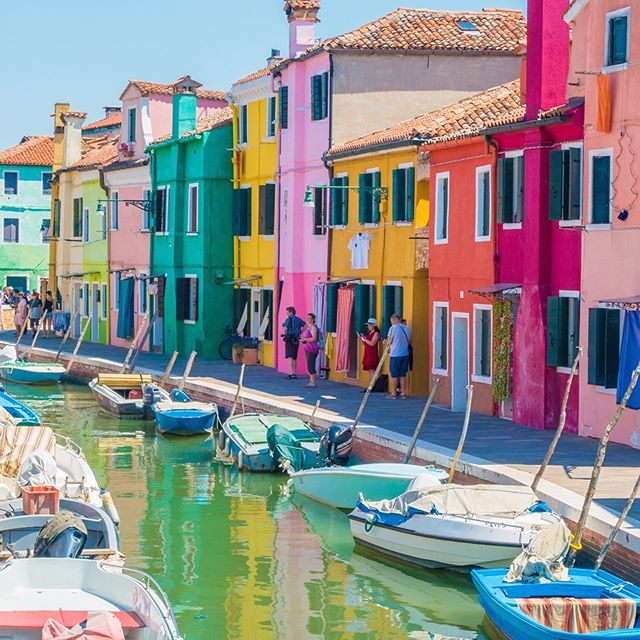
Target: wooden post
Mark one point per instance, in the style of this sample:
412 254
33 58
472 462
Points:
22 328
561 422
132 366
621 519
363 404
77 347
67 333
187 369
238 390
313 413
463 435
597 467
423 417
35 338
132 346
167 371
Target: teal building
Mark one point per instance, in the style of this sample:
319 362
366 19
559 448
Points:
192 237
25 204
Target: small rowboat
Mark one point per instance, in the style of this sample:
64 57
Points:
127 395
16 412
22 372
182 416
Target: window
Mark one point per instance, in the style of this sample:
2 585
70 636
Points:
18 283
271 117
320 96
364 306
85 225
511 189
403 181
162 210
617 38
284 107
187 299
116 289
467 27
45 229
266 304
104 300
114 211
243 124
392 302
56 218
85 299
442 208
11 230
369 197
565 183
604 347
267 209
142 293
192 209
77 218
482 316
600 196
563 326
319 211
241 299
131 125
483 204
339 201
103 224
440 337
10 183
46 183
146 214
242 212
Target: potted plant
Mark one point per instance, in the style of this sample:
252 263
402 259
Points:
250 352
237 352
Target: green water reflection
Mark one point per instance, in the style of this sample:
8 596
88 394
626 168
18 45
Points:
238 556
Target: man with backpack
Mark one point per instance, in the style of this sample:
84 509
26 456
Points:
399 342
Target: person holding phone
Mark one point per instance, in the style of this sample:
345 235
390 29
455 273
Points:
371 356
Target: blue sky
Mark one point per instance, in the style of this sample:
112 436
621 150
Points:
85 52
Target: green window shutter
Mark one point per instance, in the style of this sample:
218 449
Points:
336 202
262 208
596 347
557 184
485 331
241 212
344 211
506 192
324 86
397 186
617 40
270 214
387 307
267 306
575 184
519 213
319 211
398 295
501 195
600 190
331 308
554 350
372 311
247 211
364 200
361 307
284 107
410 175
375 199
182 298
56 218
486 203
316 98
612 348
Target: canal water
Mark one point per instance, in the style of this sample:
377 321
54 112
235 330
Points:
241 558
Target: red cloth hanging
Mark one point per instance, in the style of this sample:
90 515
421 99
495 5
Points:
343 327
604 103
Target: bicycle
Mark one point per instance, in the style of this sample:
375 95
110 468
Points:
225 348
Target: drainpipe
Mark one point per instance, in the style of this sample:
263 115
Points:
276 266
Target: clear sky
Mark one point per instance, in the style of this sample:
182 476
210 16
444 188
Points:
85 52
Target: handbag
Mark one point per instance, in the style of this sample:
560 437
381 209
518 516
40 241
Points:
381 385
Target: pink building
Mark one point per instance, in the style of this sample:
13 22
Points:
537 253
146 116
605 71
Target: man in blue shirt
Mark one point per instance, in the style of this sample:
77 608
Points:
399 341
293 326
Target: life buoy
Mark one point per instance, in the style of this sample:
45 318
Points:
240 462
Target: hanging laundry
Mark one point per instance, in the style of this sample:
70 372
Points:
344 327
359 246
629 358
604 103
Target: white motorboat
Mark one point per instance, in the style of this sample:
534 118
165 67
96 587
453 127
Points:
72 593
341 487
453 525
127 395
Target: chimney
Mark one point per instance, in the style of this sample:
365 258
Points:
72 144
547 61
274 58
111 111
184 105
58 133
302 16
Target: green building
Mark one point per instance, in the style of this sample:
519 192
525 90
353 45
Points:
192 236
25 202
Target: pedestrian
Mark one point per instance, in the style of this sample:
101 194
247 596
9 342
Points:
398 339
47 318
311 346
20 313
36 312
293 326
371 356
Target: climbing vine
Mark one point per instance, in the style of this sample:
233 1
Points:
502 349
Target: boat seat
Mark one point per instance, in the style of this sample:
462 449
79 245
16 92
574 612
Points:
37 619
580 615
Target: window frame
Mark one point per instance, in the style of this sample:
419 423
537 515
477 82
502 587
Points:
86 216
609 16
575 222
114 211
321 85
80 208
604 306
573 295
145 227
407 215
248 214
191 231
243 125
45 239
436 370
192 277
4 222
165 214
131 131
475 376
117 277
4 182
342 201
593 153
104 301
272 117
267 236
283 106
514 156
47 191
320 219
482 171
441 177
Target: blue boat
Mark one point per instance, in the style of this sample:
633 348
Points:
12 369
21 414
591 605
183 417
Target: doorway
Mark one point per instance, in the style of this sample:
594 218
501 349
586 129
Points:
95 312
460 364
255 315
77 309
352 373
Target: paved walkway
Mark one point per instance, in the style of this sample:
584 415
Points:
499 441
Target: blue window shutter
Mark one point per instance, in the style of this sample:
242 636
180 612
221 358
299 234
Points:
344 212
284 107
410 175
316 98
553 332
398 198
324 85
398 300
557 184
575 183
501 196
612 348
364 201
600 189
617 40
375 198
596 347
336 202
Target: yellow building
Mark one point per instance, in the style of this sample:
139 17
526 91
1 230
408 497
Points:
379 226
255 127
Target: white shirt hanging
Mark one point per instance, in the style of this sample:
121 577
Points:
359 246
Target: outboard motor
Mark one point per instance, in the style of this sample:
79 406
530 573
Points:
286 450
64 536
151 395
336 443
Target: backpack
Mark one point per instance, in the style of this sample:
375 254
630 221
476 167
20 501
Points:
381 385
321 340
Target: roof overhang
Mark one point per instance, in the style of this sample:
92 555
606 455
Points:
393 145
575 10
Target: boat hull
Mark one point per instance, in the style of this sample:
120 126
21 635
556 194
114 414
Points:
340 487
115 405
185 422
37 374
24 416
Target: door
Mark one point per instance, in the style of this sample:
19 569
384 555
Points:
77 309
95 312
255 316
460 365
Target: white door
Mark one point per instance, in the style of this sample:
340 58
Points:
255 316
77 309
460 365
95 312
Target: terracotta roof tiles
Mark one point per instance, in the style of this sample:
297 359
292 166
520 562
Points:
262 73
157 88
214 119
302 4
31 150
114 120
97 153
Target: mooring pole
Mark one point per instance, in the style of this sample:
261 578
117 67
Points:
22 329
67 333
423 417
238 390
167 371
132 366
187 369
463 435
313 413
367 393
35 338
77 347
132 346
